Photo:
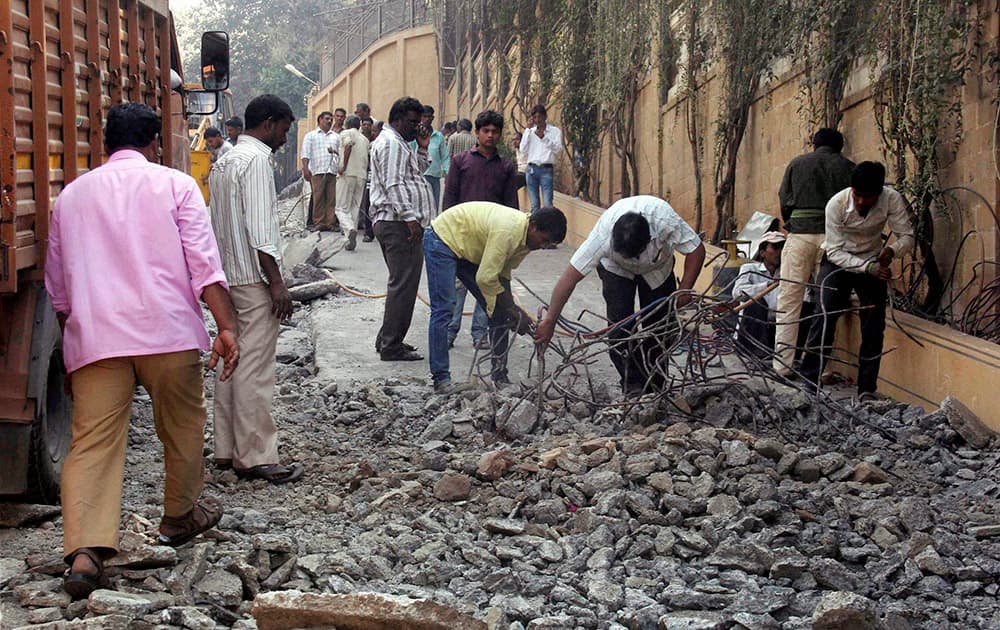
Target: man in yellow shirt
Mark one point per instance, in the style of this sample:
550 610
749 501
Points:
480 243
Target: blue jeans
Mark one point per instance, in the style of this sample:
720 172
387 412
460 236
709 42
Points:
435 183
480 321
539 178
443 266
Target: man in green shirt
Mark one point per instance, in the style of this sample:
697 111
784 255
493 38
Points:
480 243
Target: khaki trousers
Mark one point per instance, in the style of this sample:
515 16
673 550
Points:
102 405
800 260
244 428
350 189
324 203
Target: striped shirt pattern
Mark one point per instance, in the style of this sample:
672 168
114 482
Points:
461 141
323 152
245 210
399 191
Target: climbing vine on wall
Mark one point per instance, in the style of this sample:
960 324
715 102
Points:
829 38
921 58
752 34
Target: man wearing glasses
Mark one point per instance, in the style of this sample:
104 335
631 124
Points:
402 205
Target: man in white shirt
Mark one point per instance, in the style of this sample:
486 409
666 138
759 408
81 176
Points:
217 145
541 145
856 260
353 173
320 164
756 327
632 248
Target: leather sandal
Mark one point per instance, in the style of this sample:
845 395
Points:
273 473
81 585
180 529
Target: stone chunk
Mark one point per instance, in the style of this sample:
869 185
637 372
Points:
453 487
44 594
103 622
220 588
293 609
145 557
505 526
519 422
106 602
494 464
807 470
187 617
312 290
832 575
316 249
743 555
9 567
869 473
843 609
771 449
966 423
20 514
979 531
438 429
277 543
693 620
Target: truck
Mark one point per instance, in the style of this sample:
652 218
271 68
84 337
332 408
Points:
63 63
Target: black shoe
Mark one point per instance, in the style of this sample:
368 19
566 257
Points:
401 355
273 473
367 239
352 240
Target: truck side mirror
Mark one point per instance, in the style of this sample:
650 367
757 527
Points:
202 102
215 60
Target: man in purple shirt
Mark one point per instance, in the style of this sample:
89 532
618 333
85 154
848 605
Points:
479 174
131 255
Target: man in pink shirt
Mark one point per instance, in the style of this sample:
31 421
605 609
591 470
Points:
131 253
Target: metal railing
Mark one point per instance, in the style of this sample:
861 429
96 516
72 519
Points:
378 21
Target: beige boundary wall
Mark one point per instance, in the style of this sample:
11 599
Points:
403 64
950 363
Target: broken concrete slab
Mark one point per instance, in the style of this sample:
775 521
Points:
966 423
361 611
21 514
844 609
314 248
313 290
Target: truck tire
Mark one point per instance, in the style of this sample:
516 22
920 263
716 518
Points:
50 432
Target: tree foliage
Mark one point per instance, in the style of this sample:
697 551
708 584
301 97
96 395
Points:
264 35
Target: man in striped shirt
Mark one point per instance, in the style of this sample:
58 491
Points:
245 220
402 205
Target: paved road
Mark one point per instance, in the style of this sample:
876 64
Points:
344 327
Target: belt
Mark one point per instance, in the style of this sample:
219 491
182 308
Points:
547 165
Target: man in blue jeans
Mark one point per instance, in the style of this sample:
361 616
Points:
541 145
480 243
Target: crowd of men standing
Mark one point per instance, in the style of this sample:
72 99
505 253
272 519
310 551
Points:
121 328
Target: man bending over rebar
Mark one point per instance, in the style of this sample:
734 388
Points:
632 247
480 243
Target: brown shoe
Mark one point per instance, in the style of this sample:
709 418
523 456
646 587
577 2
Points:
80 585
177 530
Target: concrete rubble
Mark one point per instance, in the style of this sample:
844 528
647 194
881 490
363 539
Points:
746 506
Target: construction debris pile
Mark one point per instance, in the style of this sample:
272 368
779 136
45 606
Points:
748 506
